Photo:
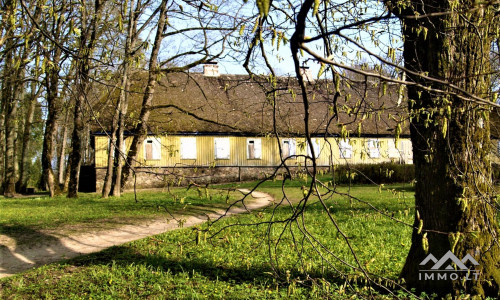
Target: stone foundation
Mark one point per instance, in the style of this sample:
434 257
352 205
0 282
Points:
161 177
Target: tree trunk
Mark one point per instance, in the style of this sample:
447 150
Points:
9 99
120 151
123 108
25 159
451 146
2 145
108 179
62 150
140 131
53 111
77 139
86 43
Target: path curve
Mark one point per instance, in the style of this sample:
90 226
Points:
57 247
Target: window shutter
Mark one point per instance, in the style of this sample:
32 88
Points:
221 148
254 149
316 147
148 149
188 148
156 148
258 148
393 151
373 149
345 149
250 149
292 147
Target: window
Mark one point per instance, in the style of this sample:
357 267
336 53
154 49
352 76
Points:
152 149
345 148
373 148
288 148
221 148
188 148
393 150
254 149
316 147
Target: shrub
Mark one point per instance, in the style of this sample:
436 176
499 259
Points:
374 173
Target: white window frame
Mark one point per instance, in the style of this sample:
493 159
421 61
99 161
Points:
317 147
155 150
257 148
292 147
373 148
222 148
188 148
345 148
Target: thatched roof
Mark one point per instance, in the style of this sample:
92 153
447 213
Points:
238 104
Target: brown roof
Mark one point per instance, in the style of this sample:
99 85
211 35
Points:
238 104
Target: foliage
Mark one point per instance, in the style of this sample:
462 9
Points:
374 173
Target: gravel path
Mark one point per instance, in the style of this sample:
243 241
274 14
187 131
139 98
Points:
56 247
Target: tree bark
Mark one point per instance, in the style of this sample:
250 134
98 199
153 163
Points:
140 131
25 159
87 42
10 105
123 107
53 111
9 101
451 144
62 150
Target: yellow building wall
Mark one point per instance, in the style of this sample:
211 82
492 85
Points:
330 153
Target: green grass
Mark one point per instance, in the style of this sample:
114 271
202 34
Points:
237 263
23 215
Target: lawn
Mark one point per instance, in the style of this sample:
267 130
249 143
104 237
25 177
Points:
306 258
91 212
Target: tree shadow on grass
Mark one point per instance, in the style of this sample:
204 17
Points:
23 248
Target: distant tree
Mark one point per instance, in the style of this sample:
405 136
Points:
205 31
131 50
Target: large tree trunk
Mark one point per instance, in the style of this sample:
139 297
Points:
141 128
10 106
9 102
451 146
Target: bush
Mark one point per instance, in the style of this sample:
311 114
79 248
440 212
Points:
374 173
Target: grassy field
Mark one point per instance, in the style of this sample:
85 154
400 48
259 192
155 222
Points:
305 258
22 218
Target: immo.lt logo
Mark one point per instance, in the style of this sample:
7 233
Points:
444 270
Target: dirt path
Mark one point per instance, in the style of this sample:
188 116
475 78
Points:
56 247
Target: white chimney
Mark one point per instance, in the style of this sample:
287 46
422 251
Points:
211 69
306 74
